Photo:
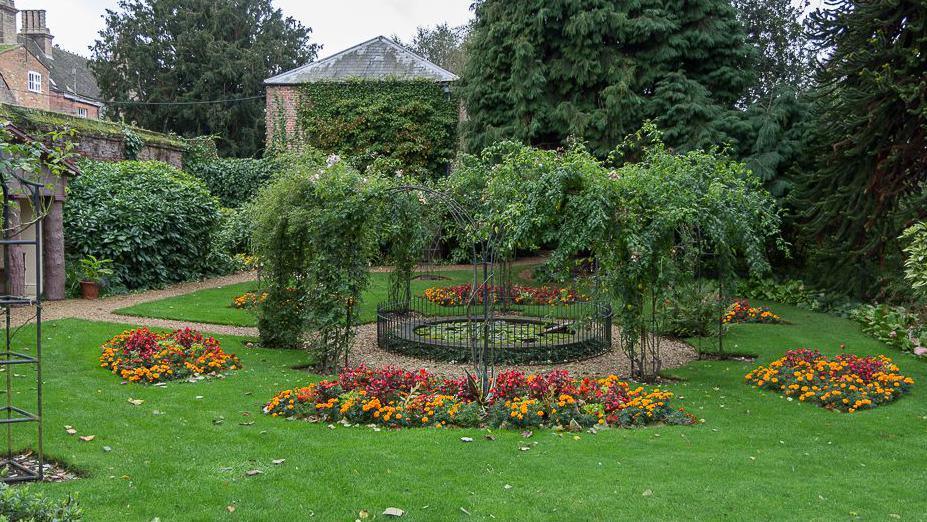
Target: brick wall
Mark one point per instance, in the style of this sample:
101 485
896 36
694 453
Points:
16 64
282 104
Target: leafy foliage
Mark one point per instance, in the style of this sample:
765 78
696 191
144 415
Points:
155 222
315 234
190 51
234 181
442 45
893 325
915 263
870 136
24 503
413 123
540 71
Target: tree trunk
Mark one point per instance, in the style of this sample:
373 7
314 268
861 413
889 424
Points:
15 262
53 251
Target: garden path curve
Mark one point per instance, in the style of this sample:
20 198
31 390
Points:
103 309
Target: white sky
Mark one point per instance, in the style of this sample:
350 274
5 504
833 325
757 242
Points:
336 24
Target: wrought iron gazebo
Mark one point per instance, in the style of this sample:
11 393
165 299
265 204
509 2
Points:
490 325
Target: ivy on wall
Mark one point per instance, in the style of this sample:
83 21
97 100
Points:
410 123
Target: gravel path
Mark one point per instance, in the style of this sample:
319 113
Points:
104 309
364 350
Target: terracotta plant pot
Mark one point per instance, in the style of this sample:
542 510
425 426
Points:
89 289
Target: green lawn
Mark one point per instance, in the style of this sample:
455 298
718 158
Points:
214 305
756 457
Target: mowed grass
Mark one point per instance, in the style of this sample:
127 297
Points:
755 457
214 305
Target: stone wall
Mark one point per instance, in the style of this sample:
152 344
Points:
109 148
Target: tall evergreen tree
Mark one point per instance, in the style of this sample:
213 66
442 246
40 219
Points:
542 70
172 55
871 140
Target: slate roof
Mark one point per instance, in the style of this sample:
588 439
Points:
69 73
377 59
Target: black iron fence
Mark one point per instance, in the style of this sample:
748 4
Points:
517 333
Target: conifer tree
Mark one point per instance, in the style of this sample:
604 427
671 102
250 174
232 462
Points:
870 141
542 70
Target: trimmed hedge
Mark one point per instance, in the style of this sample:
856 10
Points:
154 221
234 181
25 503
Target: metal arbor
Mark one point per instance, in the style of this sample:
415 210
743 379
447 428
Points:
28 353
478 316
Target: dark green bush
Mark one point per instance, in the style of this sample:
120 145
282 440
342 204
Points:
234 233
22 503
234 181
155 222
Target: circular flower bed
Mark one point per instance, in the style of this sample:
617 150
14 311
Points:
141 355
846 382
741 312
397 398
517 294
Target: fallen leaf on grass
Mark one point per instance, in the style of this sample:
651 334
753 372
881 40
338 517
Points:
136 402
70 431
527 434
490 437
278 461
466 439
393 512
230 508
88 438
253 472
647 493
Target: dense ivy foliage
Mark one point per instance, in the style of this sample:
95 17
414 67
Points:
869 142
155 222
413 123
540 71
234 181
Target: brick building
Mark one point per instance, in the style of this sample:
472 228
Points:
36 74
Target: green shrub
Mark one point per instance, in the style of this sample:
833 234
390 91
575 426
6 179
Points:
234 232
893 325
22 503
796 293
155 222
915 263
691 311
234 181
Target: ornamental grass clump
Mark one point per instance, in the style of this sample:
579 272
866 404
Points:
141 355
398 398
845 383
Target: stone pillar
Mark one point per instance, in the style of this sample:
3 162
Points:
53 250
15 262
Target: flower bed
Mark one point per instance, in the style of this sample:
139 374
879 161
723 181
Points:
845 383
741 312
249 299
141 355
398 398
527 295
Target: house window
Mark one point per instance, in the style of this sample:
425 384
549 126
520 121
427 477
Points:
35 81
82 112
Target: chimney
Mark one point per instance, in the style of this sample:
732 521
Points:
8 22
34 27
